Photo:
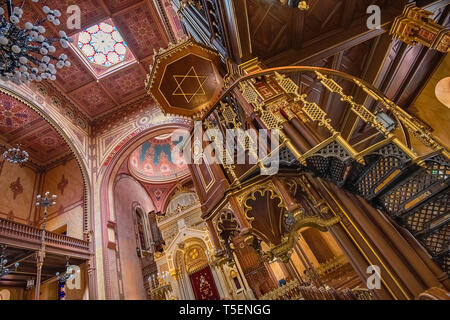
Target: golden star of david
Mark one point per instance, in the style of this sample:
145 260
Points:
192 74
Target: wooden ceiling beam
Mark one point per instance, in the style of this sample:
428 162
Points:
331 15
345 39
21 258
236 18
164 19
349 10
298 24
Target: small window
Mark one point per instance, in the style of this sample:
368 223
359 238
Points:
61 230
141 229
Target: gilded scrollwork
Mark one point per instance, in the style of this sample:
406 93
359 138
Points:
262 189
284 250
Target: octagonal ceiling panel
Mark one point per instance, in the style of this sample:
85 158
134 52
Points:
185 79
102 49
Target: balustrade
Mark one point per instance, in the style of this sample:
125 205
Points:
32 236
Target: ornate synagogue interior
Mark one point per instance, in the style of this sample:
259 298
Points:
225 150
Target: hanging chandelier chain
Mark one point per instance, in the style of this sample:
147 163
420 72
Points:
26 55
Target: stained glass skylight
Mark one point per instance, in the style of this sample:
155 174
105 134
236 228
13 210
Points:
102 44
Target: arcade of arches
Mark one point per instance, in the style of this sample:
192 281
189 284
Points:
357 208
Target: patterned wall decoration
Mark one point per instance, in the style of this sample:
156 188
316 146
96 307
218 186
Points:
139 27
113 132
62 184
16 188
159 194
155 161
20 124
15 115
93 98
65 181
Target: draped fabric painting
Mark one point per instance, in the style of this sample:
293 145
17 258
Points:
204 285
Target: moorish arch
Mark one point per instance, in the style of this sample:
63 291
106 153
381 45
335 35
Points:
109 172
362 170
74 136
60 168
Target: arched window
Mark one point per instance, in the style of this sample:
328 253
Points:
141 229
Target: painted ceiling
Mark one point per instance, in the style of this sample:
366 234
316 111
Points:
95 89
21 125
156 161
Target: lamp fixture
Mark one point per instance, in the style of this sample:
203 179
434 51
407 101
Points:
45 201
67 275
26 55
16 155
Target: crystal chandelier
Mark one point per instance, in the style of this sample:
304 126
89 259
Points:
3 262
16 155
25 54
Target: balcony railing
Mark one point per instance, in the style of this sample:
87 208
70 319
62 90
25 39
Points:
293 290
17 234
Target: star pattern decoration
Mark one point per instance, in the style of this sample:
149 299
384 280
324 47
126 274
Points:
62 184
189 94
16 188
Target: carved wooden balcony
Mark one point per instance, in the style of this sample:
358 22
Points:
27 237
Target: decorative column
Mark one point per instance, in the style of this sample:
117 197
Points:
88 236
295 271
239 215
311 271
214 237
40 255
244 280
44 202
225 279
